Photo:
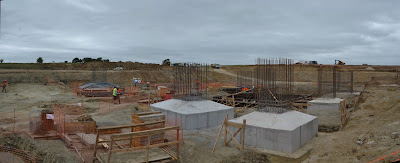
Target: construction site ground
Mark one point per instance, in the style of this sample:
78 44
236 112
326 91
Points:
366 136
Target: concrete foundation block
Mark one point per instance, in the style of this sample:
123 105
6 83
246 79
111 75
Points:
191 115
325 104
284 132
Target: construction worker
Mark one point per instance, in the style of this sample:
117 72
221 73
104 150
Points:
115 94
5 85
243 89
197 84
135 81
155 86
118 94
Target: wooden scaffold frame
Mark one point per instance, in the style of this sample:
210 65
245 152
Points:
174 155
225 125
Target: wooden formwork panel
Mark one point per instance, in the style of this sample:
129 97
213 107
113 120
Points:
111 131
147 118
85 127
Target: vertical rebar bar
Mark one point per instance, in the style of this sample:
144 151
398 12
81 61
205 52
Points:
334 82
190 81
351 81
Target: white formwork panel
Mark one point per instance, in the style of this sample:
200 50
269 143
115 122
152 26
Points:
201 119
191 122
212 119
296 139
284 132
193 114
308 131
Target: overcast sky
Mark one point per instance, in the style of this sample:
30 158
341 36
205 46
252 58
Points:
207 31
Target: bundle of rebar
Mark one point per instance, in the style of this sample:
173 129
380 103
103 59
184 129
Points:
332 80
191 81
274 80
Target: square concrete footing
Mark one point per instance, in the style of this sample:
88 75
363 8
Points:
325 103
191 115
285 132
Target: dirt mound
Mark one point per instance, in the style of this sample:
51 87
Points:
248 156
377 81
370 68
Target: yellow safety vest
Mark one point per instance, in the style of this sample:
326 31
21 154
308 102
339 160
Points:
115 92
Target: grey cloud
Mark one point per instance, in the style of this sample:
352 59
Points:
226 32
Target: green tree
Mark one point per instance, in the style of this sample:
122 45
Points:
99 59
76 60
39 60
166 62
88 59
1 60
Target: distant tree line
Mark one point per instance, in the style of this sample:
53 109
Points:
88 59
39 60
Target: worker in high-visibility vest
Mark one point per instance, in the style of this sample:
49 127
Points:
148 84
5 85
115 94
118 95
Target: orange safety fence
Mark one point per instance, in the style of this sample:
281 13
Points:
108 104
70 119
380 159
23 155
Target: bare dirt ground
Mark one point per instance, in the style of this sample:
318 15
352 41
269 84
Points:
372 123
23 98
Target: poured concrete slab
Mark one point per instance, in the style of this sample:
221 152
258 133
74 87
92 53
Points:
325 103
285 132
193 114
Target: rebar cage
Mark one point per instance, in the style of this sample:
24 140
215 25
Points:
191 81
274 80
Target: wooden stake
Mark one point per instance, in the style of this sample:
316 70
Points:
148 148
237 143
109 151
243 133
95 146
226 134
219 134
237 132
177 145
